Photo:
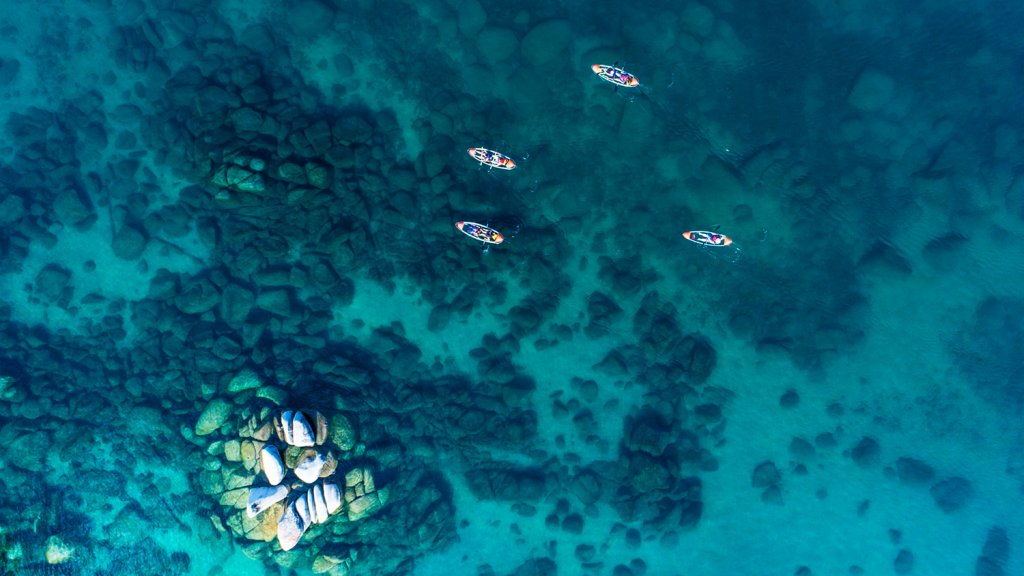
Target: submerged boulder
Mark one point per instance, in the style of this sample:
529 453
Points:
987 351
952 493
872 91
129 243
506 483
866 453
547 41
913 471
214 416
52 282
197 297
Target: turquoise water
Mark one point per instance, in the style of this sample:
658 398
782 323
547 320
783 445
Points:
212 217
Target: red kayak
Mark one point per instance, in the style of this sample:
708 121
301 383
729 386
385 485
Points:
492 158
615 75
707 238
480 232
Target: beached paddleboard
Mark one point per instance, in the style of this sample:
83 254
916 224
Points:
615 75
492 159
707 238
480 232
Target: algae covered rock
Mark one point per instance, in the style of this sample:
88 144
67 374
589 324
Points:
496 44
547 41
57 551
52 282
343 433
274 394
214 416
317 175
239 178
246 379
235 304
987 351
872 91
197 297
952 493
866 453
282 468
69 206
129 243
28 451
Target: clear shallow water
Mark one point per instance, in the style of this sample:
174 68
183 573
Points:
191 192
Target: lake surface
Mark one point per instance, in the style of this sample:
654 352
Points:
242 333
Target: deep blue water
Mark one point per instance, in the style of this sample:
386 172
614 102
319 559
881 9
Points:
215 217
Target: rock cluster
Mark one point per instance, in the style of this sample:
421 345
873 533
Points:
285 474
986 354
994 554
314 506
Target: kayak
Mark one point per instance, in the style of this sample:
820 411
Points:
707 238
615 75
480 232
492 158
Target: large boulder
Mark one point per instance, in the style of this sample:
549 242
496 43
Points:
310 17
914 471
697 357
952 493
537 567
697 19
988 352
904 562
873 91
12 208
214 416
197 297
127 526
129 242
9 68
170 30
57 551
343 433
472 18
646 474
235 304
586 486
547 42
866 453
276 301
496 44
29 450
648 432
765 474
53 283
506 483
994 554
246 379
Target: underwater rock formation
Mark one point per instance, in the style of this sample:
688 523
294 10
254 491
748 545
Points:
314 506
952 493
994 554
987 351
309 479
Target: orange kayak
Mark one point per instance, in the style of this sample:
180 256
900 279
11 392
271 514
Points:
480 232
492 158
707 238
615 75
